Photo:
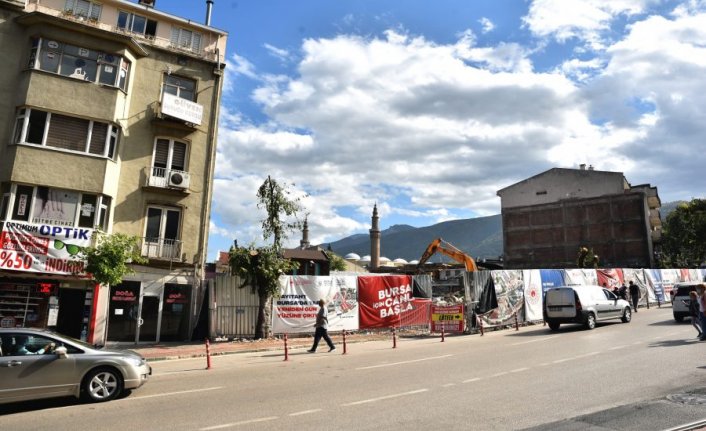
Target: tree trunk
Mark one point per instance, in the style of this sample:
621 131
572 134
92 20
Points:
262 329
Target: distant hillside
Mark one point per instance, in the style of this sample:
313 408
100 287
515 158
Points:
479 237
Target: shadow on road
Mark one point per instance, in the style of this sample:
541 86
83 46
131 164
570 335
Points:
670 322
673 343
30 406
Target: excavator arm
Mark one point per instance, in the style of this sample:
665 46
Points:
446 248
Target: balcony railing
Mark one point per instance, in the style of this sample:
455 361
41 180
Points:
161 248
167 178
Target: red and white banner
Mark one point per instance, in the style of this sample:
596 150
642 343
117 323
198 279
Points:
450 318
383 299
45 248
294 311
533 294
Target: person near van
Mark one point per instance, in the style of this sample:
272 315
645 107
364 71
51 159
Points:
634 290
623 292
694 311
701 296
322 328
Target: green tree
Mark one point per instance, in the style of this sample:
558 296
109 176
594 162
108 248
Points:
108 261
684 235
587 258
262 267
336 262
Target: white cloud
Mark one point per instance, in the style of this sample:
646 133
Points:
486 24
281 54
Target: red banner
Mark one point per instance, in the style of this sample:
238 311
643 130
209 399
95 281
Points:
610 278
383 300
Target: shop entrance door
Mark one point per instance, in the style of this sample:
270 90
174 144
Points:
71 305
149 319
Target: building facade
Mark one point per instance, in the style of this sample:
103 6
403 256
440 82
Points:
109 116
548 217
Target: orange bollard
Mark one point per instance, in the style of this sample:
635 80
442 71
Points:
442 334
208 354
286 350
394 338
344 341
517 323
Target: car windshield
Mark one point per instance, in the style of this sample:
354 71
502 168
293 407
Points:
75 341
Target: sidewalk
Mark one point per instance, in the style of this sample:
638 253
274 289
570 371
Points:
181 350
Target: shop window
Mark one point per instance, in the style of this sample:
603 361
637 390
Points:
128 21
79 62
87 210
180 87
23 200
186 39
55 206
175 312
66 133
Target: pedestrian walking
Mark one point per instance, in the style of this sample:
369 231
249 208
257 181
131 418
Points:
694 311
634 290
322 328
701 297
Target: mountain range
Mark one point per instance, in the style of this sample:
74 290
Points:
481 238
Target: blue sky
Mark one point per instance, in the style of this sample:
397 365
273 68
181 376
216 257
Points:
427 108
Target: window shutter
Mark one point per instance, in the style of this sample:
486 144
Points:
196 42
179 156
67 133
175 36
161 153
98 136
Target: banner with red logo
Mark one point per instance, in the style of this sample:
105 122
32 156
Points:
533 294
45 248
383 300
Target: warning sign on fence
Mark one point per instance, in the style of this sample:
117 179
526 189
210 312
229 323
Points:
450 318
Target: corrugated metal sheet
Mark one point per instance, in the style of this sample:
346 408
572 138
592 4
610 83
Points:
233 309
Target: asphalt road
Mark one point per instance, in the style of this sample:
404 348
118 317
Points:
616 377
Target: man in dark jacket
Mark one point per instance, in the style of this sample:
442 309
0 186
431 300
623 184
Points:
634 295
623 292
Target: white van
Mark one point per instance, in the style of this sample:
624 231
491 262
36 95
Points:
583 304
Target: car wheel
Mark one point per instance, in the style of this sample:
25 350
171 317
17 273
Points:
554 326
627 315
102 384
679 319
590 321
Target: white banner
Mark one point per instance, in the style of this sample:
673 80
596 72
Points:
581 277
44 248
533 294
295 309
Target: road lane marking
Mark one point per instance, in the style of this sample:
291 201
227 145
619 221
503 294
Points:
235 424
559 361
305 412
500 374
616 348
448 385
544 364
403 362
386 397
166 394
534 341
519 370
586 355
475 379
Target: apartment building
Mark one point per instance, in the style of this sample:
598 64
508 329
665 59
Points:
108 120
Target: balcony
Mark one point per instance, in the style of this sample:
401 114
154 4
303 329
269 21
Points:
163 178
161 248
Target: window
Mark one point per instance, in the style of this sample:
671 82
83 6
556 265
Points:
181 87
3 205
186 39
83 8
139 24
67 133
79 63
169 155
60 207
161 233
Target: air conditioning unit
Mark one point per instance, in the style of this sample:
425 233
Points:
179 179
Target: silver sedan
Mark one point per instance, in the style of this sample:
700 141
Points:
36 363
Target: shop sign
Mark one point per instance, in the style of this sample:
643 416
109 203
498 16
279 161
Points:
124 296
448 318
43 248
182 109
7 322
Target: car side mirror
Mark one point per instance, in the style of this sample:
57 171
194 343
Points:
61 352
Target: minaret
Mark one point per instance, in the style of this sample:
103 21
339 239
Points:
304 243
375 240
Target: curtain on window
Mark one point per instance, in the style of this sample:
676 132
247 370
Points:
67 133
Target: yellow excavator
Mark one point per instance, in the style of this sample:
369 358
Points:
444 247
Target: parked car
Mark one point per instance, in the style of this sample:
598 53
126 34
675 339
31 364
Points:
37 363
583 304
680 294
